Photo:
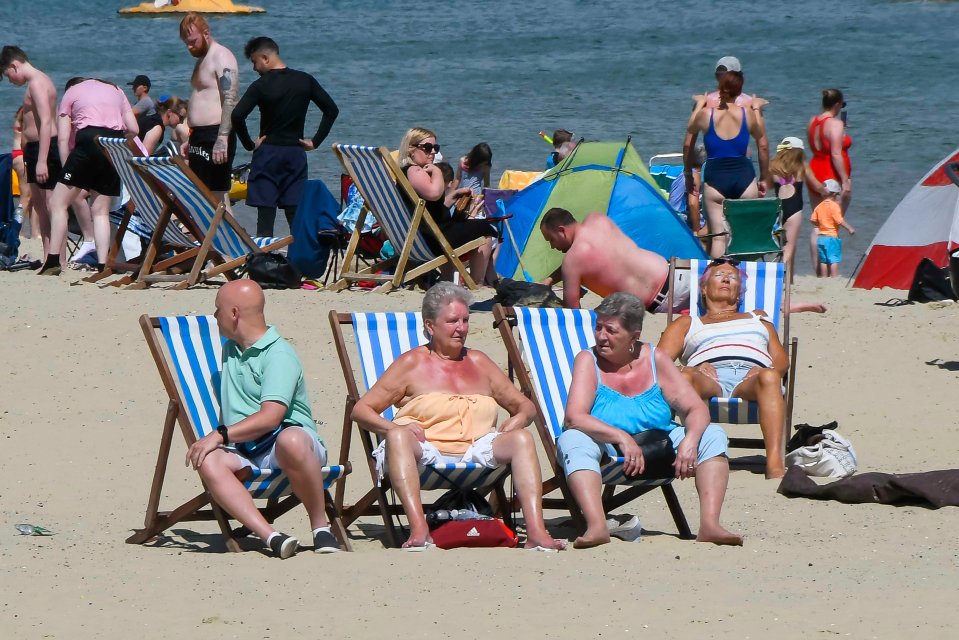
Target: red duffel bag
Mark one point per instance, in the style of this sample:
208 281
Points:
490 532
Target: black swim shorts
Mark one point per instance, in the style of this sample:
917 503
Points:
31 153
216 177
277 176
88 167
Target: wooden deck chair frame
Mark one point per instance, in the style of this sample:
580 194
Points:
183 254
735 411
505 319
173 205
376 502
156 521
404 271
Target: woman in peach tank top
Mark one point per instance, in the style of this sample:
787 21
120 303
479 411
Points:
449 399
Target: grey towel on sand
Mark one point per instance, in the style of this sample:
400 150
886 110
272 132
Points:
931 489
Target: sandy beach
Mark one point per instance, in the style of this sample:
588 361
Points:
81 416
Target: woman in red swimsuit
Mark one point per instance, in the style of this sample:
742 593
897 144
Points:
830 144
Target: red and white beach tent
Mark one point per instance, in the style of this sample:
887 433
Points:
925 224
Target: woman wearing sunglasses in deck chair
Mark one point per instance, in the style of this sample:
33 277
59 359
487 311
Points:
727 353
417 156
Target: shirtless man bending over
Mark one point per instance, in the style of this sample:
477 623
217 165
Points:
215 83
40 152
600 257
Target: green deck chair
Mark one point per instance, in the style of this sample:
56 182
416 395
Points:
756 228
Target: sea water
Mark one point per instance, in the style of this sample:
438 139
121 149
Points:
501 72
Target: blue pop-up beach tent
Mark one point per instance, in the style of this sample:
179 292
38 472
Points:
605 177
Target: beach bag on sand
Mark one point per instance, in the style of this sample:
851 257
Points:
930 284
463 518
513 293
272 271
830 457
808 434
488 532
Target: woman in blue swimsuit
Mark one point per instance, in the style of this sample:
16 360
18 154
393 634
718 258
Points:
620 388
728 172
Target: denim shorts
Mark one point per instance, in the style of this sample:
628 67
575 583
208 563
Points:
729 373
579 452
829 249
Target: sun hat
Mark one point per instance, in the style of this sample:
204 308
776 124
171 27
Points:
790 142
730 63
832 186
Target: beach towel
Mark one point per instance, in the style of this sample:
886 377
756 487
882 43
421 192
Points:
316 213
931 489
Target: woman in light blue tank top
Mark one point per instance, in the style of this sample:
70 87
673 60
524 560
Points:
623 387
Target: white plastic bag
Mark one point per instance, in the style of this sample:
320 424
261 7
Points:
831 457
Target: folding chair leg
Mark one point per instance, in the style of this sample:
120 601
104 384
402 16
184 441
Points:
336 523
159 473
676 510
164 521
504 506
224 521
392 535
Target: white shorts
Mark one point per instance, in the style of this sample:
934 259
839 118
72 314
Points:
267 459
480 452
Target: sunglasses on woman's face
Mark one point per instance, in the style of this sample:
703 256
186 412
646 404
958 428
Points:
718 261
428 148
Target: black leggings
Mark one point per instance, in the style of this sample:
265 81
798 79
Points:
266 217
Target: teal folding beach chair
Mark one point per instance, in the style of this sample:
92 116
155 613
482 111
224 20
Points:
756 229
379 339
383 185
767 288
187 351
550 340
666 168
224 243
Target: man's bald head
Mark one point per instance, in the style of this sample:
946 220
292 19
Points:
239 310
243 294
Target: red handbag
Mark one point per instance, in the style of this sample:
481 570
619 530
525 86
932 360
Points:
490 532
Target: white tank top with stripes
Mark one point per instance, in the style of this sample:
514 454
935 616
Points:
740 339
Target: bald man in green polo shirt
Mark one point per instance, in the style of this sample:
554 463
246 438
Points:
267 422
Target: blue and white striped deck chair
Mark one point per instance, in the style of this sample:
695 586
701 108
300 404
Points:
187 351
550 340
145 217
383 185
223 241
381 338
767 288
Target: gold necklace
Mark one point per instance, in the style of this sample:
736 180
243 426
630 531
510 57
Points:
725 312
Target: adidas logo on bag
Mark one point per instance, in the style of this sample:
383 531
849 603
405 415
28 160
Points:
472 533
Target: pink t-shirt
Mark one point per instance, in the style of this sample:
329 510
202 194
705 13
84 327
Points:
95 104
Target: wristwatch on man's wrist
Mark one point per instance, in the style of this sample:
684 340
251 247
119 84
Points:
224 433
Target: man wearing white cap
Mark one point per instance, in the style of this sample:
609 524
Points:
711 99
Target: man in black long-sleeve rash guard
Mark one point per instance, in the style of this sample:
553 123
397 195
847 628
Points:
283 95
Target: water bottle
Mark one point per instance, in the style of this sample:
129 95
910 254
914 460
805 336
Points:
466 514
438 517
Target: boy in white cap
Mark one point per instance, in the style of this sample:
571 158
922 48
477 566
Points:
828 218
